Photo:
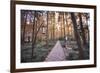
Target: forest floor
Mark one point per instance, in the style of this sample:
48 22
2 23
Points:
42 52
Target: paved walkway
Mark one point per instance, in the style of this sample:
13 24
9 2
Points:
57 53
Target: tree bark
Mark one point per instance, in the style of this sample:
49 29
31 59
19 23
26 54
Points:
64 24
53 22
47 31
81 56
33 34
82 29
24 27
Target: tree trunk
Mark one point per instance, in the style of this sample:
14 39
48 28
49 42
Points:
81 56
64 24
61 25
53 22
33 34
24 27
82 29
47 31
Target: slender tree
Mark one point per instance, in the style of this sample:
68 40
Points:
64 23
82 29
24 25
36 29
53 24
47 30
81 56
33 34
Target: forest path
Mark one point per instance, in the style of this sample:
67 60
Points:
57 53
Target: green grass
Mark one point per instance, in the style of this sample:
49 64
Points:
41 51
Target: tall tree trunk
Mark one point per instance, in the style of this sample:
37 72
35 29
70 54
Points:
53 22
61 25
64 24
82 29
51 26
24 27
33 34
47 31
81 55
67 26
